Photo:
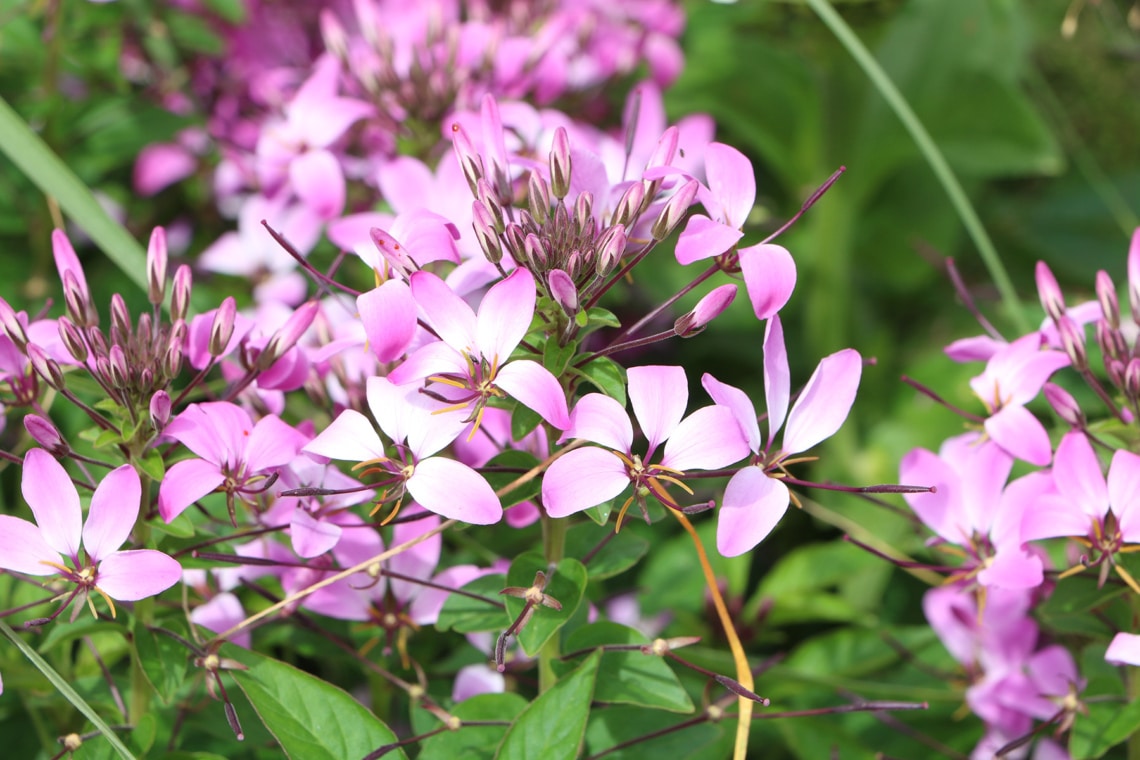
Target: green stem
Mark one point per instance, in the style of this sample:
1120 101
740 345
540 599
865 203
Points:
554 548
140 686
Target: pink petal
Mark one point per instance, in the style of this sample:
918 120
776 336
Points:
48 490
318 181
448 314
186 482
770 277
419 561
581 479
213 430
162 164
777 377
1054 517
1078 475
349 438
406 414
426 606
455 491
66 259
1123 486
707 439
23 549
659 395
473 680
219 615
742 409
731 181
533 385
703 238
939 510
312 537
978 348
1012 567
505 315
389 317
436 358
328 120
753 505
130 576
1124 649
114 509
601 419
1021 434
271 444
825 401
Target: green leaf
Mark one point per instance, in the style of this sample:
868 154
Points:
599 318
553 726
107 438
53 177
179 527
600 513
557 358
64 688
607 375
475 742
63 631
1106 725
614 725
152 465
523 421
164 660
630 678
517 460
466 615
620 552
1067 608
311 719
566 584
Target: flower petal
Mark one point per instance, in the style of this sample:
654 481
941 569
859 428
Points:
1124 649
186 482
1078 476
705 440
318 180
448 314
349 438
388 314
1021 434
1123 486
533 386
271 444
114 509
312 537
455 491
732 182
659 395
769 276
742 409
219 615
23 549
825 401
130 576
753 505
581 479
505 315
54 501
777 377
704 238
601 419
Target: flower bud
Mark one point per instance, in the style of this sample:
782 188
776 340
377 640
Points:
120 317
707 309
584 213
675 209
1114 368
333 34
560 164
146 379
120 372
1052 300
1111 342
563 291
287 337
159 410
484 226
172 361
1132 379
1134 275
610 250
487 197
666 149
515 240
469 160
630 204
12 327
538 198
1064 405
393 253
72 339
45 366
1073 341
46 435
1106 295
222 328
535 253
75 299
66 261
156 259
146 327
180 299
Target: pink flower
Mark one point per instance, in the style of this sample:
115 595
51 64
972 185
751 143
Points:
754 500
35 548
1124 649
705 440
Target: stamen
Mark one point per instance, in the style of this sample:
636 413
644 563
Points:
365 463
392 515
444 380
1127 578
110 602
621 514
676 482
478 421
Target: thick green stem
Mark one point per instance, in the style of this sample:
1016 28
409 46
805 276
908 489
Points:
554 548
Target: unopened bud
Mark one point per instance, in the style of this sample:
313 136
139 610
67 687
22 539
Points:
120 317
470 162
172 361
666 149
1111 342
560 164
145 327
563 291
1064 405
222 327
584 213
1114 368
535 253
67 261
1132 379
538 198
630 204
707 309
156 259
46 435
146 379
1073 342
72 339
1052 300
333 34
395 254
12 327
45 366
120 373
486 195
610 249
75 299
287 337
515 240
159 410
1106 295
180 297
1134 275
484 226
675 209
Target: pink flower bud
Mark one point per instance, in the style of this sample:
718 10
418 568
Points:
72 339
67 261
584 212
707 309
180 299
469 160
1106 295
222 327
12 327
1073 341
159 410
1064 405
516 242
563 291
76 300
610 249
1111 342
120 372
560 164
120 317
1052 300
538 198
1132 379
288 335
1134 275
46 435
156 259
630 204
666 149
486 195
484 226
535 253
333 34
393 252
675 209
45 366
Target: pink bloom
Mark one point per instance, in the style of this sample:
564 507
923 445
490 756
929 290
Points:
705 440
754 501
59 529
1124 649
